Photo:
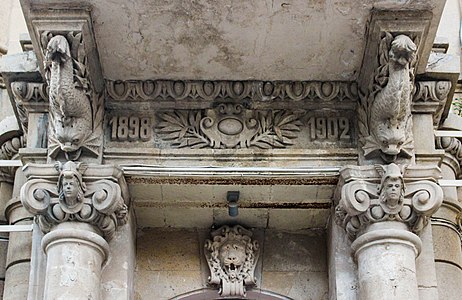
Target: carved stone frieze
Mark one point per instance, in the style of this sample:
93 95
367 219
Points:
384 113
76 110
67 195
383 193
29 96
162 90
431 96
229 125
232 256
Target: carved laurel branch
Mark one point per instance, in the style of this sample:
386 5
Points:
102 206
243 129
360 206
161 90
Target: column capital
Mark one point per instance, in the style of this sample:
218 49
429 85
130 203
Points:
78 192
374 194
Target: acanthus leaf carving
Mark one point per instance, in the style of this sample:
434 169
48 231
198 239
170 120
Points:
230 125
99 203
395 198
385 123
76 110
232 256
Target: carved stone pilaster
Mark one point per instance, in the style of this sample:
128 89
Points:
232 256
382 193
91 194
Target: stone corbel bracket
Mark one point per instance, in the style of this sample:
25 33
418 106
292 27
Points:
103 201
396 41
362 200
69 61
232 256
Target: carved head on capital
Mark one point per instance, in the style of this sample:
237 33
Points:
391 189
71 187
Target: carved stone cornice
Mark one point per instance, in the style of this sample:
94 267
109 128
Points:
374 194
67 49
232 256
169 90
431 97
92 194
28 97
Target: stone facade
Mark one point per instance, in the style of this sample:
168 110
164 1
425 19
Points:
245 150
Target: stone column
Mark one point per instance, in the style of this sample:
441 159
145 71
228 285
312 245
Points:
75 253
446 232
79 208
383 211
19 246
386 256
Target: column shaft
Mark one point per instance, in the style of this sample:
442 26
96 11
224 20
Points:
75 254
386 264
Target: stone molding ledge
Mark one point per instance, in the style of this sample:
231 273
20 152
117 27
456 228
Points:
73 235
385 236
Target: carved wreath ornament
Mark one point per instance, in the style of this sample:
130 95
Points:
232 257
230 125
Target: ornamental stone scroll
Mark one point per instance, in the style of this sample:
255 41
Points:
396 198
232 256
67 196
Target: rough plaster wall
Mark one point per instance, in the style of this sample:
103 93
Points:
171 262
12 24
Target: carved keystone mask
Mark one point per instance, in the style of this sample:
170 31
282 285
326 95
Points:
232 256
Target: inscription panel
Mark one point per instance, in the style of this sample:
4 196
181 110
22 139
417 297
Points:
231 126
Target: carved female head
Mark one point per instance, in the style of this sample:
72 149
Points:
71 187
392 187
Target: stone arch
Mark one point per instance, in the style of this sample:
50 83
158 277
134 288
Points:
209 294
